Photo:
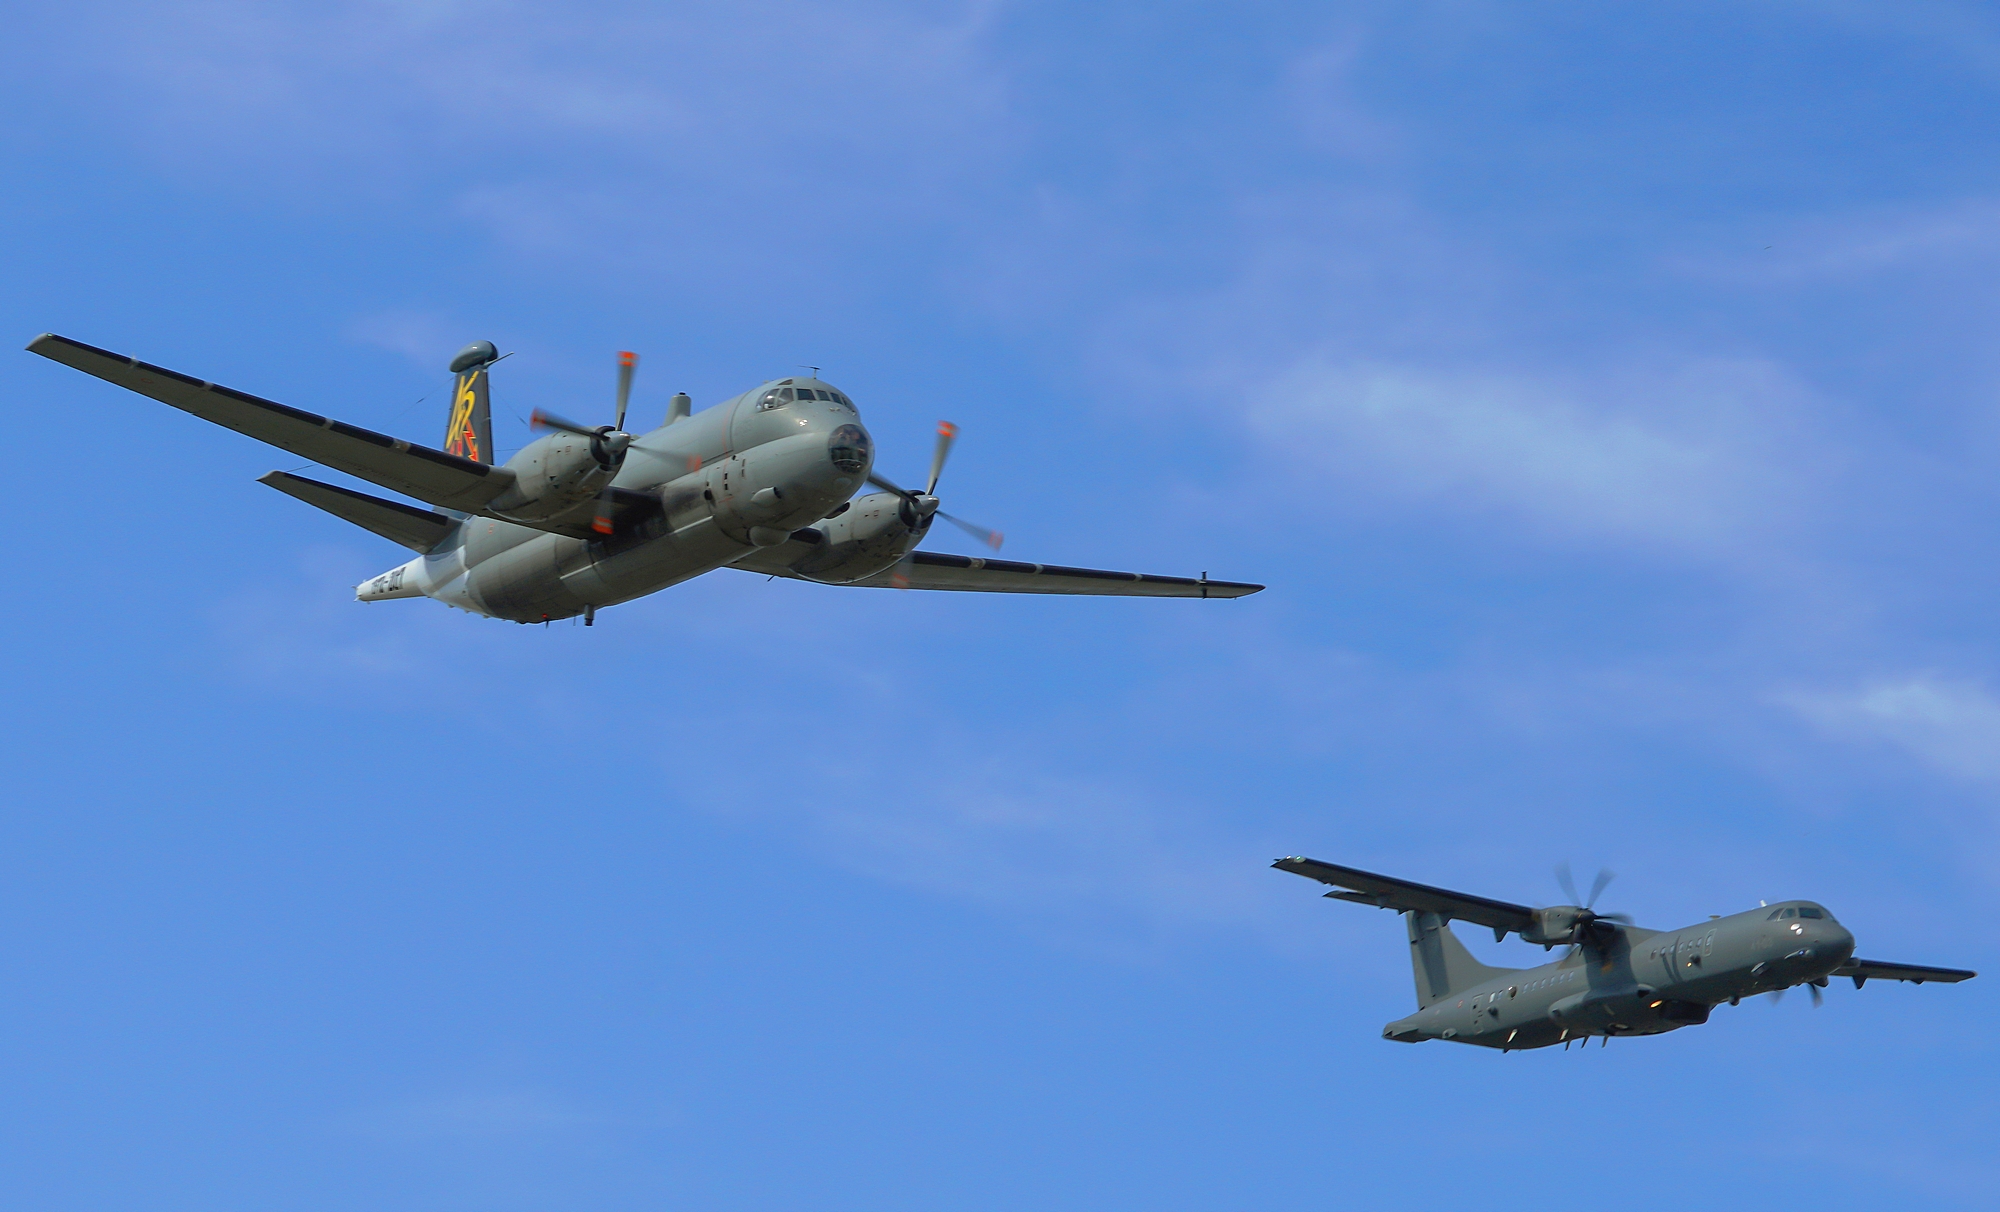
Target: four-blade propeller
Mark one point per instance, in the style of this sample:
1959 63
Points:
608 443
919 506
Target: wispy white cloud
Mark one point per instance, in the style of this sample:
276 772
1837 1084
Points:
1707 457
1803 250
453 87
1952 725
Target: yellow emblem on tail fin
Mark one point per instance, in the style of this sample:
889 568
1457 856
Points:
470 433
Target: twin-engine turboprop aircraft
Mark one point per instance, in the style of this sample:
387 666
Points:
1616 979
587 517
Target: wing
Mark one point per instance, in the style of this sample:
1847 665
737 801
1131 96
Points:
416 529
1876 970
1367 888
432 476
970 574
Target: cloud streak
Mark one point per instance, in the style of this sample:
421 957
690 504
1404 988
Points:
1949 724
1686 460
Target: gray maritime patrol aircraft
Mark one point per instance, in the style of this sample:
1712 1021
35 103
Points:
1615 979
587 517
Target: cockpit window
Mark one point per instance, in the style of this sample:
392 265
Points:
1775 915
1812 913
1791 913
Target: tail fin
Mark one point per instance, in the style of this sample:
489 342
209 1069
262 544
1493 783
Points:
470 432
1442 963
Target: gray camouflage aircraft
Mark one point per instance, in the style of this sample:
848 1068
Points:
587 517
1615 979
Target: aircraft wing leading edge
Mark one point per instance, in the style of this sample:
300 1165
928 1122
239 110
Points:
1367 888
1879 970
429 475
971 574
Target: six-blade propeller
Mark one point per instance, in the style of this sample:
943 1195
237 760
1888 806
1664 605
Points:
1588 927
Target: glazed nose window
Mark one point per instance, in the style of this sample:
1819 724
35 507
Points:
848 447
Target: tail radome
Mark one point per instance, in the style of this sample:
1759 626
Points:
1443 965
469 434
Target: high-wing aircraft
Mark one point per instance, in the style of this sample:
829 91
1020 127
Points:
1615 979
590 516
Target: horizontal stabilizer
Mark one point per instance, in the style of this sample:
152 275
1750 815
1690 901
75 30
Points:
417 529
444 480
1876 970
971 574
1367 888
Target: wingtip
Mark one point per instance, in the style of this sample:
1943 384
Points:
47 336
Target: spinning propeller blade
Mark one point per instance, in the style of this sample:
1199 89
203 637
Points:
947 433
992 538
926 501
1591 926
607 442
543 419
882 482
627 362
1604 877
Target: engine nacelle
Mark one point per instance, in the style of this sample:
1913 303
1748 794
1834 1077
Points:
559 472
1559 924
868 537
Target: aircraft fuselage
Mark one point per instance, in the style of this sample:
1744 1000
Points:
730 483
1641 983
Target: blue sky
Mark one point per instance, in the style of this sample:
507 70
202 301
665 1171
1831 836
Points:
1607 394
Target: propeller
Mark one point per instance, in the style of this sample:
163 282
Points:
627 363
919 506
1812 987
1588 917
608 443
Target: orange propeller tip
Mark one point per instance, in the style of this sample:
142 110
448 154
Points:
627 358
947 430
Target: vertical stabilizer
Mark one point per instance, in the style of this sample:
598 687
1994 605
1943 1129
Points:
470 432
1443 965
